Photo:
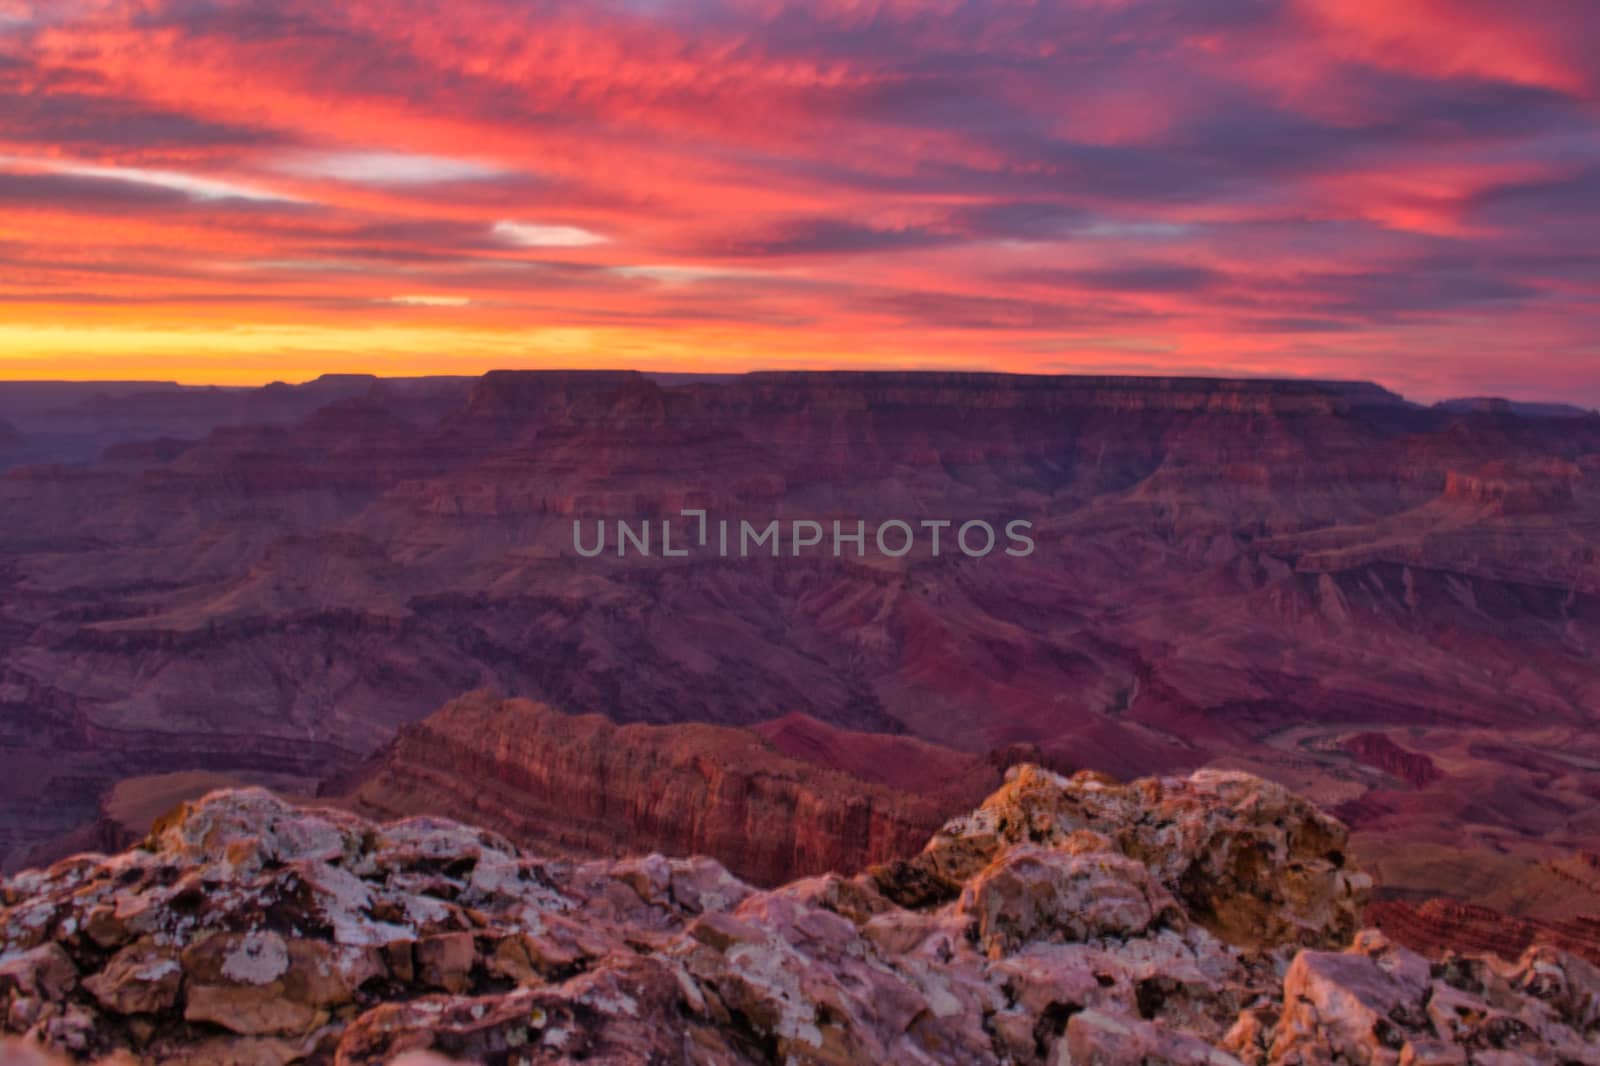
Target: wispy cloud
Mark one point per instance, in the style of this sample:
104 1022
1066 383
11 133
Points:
430 301
387 168
669 274
536 235
196 186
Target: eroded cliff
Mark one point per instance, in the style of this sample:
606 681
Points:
580 784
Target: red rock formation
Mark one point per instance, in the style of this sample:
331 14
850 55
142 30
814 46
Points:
1440 925
1380 752
897 762
583 785
1507 490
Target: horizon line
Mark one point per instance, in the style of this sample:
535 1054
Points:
730 375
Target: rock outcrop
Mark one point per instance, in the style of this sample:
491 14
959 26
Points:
1380 752
581 785
1199 920
1247 859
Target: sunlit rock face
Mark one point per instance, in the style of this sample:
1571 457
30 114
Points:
786 799
1208 919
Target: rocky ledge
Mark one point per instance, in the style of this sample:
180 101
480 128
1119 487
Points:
1210 919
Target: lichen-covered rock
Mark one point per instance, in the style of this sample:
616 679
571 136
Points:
629 1009
45 972
1378 1003
1068 921
142 978
1034 893
1251 861
1095 1038
1349 1005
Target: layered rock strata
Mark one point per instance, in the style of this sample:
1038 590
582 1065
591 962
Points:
582 785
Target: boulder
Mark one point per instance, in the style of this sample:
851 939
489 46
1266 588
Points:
1248 859
1030 893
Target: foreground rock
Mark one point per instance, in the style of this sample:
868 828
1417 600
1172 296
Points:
1207 920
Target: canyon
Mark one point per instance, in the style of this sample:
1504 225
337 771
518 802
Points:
1388 607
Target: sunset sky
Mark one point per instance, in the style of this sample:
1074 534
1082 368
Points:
209 191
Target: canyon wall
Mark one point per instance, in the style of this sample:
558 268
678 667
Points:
585 786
